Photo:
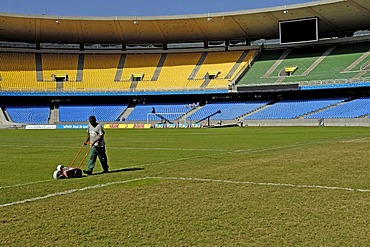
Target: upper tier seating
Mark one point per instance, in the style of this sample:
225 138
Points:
352 109
18 72
260 66
140 64
59 64
218 61
229 110
177 69
289 109
342 61
81 113
98 74
29 114
112 72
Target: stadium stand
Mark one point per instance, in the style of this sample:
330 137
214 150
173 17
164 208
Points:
18 72
221 62
29 114
163 111
229 110
289 109
260 66
302 58
98 75
177 69
98 72
140 64
59 64
80 113
351 109
334 65
313 64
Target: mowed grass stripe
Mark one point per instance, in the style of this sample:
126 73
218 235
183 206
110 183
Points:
121 148
225 152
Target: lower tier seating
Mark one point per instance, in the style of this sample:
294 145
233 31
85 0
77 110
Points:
29 114
352 109
144 112
81 113
229 110
289 109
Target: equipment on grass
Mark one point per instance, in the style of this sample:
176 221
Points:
72 171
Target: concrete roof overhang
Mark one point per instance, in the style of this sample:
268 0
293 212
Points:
336 18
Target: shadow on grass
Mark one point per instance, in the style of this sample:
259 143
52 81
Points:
129 169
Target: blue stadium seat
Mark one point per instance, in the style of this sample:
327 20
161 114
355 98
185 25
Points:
289 109
143 112
29 114
229 110
81 113
352 109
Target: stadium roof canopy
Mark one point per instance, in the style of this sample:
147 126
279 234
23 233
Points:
337 18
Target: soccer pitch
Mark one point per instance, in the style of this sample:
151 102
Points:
252 186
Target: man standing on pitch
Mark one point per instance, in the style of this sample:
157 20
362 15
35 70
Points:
95 134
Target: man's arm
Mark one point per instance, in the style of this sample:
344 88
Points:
87 139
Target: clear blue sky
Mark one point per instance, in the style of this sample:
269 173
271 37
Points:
134 7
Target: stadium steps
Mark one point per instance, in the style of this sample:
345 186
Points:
133 86
237 64
4 117
277 63
280 79
364 116
193 110
121 63
38 60
254 111
319 60
54 115
127 112
197 66
59 86
159 67
360 74
205 83
80 67
245 69
357 61
7 116
321 109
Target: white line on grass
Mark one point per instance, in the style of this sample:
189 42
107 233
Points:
183 179
262 183
68 192
172 149
25 184
363 139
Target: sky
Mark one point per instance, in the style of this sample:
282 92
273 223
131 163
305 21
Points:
135 7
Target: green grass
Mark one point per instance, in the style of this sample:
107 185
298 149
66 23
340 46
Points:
190 187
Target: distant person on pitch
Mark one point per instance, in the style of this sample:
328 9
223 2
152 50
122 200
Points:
95 136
